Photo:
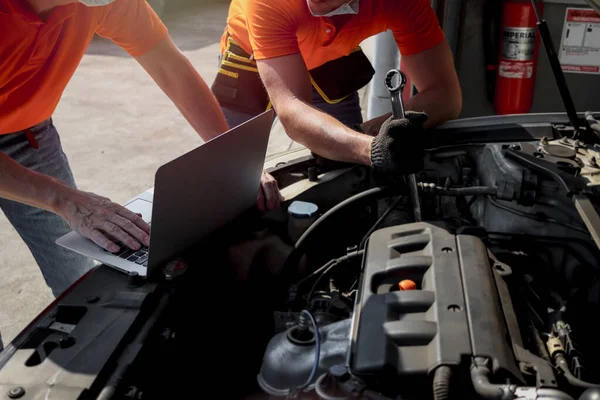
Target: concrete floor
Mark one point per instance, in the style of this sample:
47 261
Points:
117 127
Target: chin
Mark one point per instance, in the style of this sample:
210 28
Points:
323 7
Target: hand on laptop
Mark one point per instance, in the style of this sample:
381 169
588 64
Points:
269 197
103 221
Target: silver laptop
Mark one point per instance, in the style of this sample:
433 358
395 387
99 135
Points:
193 195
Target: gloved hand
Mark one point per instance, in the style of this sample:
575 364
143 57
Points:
398 149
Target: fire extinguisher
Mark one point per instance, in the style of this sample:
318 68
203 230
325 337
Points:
517 60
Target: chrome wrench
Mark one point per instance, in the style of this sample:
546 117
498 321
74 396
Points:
396 91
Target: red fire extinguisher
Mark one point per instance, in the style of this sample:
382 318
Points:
518 55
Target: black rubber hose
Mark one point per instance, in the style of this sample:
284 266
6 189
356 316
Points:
480 375
481 383
563 365
333 210
441 383
387 212
467 191
294 258
331 265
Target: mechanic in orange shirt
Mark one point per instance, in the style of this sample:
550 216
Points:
306 54
41 45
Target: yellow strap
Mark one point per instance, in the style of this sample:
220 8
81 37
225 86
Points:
229 73
235 57
327 99
239 66
230 40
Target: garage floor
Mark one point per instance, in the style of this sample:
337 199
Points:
117 128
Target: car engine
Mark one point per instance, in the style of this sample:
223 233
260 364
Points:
490 295
477 279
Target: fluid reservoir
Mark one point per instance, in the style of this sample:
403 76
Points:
301 215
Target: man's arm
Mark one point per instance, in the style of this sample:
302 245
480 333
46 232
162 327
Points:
176 76
95 217
434 75
288 84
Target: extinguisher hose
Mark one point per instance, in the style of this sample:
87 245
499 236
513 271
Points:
492 11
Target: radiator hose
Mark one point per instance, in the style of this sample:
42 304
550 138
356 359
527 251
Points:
563 365
441 383
480 375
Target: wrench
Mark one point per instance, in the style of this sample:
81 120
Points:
398 112
396 91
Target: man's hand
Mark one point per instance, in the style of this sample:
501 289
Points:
92 216
269 197
398 149
99 219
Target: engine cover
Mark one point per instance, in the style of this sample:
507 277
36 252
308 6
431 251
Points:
453 314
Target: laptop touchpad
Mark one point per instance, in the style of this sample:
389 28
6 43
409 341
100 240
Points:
140 206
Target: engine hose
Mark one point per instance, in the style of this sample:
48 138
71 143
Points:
441 383
330 265
481 382
551 394
294 258
563 365
464 191
333 210
387 212
594 125
321 393
315 368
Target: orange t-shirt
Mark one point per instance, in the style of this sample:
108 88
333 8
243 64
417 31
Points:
38 58
275 28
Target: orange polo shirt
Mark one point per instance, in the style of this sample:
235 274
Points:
38 58
275 28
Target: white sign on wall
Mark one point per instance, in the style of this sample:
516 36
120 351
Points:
580 42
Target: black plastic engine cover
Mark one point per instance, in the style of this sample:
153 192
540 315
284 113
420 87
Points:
452 315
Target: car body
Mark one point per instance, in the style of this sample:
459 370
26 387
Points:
504 266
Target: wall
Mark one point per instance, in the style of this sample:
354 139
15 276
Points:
585 89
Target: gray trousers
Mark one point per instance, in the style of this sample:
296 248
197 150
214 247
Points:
38 228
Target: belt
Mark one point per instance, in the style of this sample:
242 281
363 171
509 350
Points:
30 132
235 48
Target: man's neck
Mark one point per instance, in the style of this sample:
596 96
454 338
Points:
44 7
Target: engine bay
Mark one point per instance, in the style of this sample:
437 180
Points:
486 289
490 296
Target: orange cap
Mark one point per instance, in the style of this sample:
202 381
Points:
407 284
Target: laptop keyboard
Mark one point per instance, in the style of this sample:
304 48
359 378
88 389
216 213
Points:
137 256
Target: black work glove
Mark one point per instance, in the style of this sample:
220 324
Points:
398 149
